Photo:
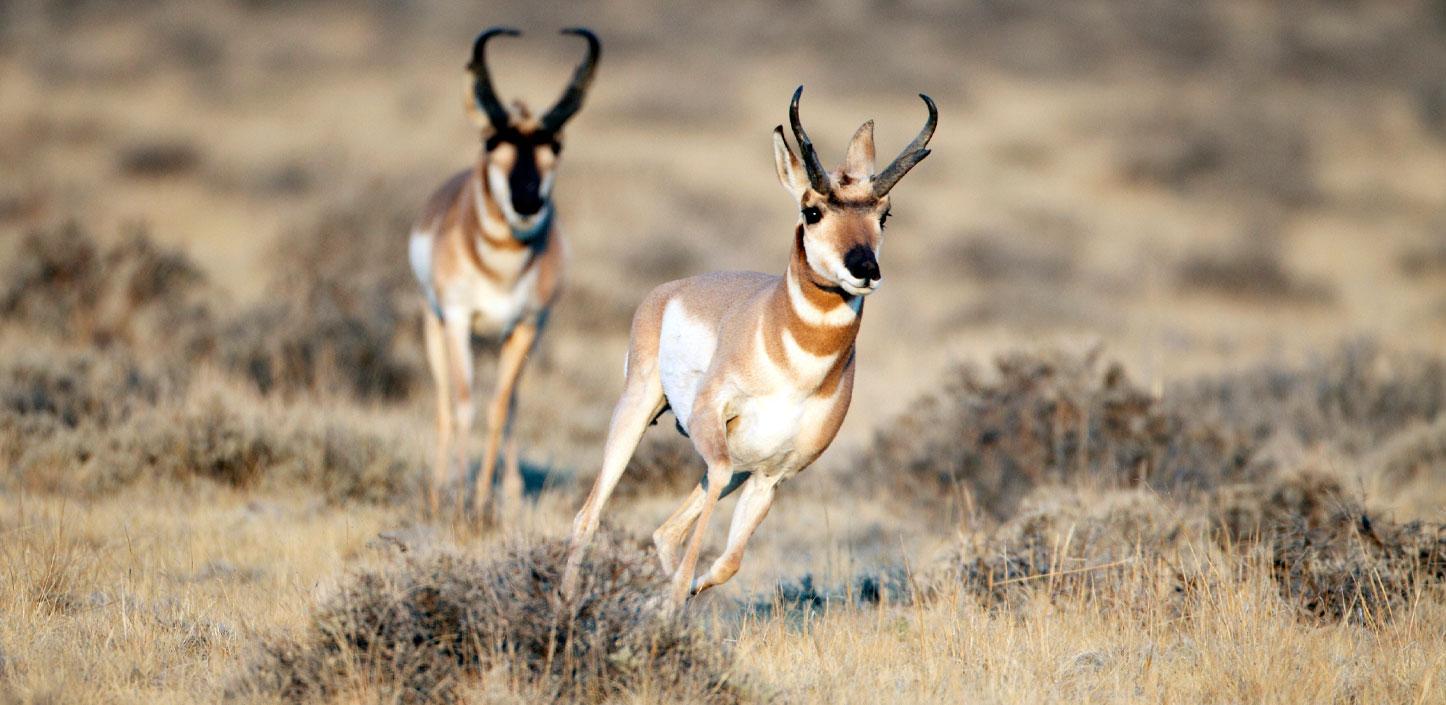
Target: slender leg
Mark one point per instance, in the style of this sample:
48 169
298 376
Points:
670 536
753 505
458 342
515 350
641 401
437 361
718 475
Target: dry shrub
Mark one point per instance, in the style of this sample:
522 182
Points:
1417 451
442 625
1330 556
1043 419
136 292
1351 399
1251 270
338 317
153 160
214 443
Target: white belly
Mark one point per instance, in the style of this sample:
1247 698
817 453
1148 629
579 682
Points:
685 351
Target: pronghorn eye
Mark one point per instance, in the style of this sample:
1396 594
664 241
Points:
884 219
812 215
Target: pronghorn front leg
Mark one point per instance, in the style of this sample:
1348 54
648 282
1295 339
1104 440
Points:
515 349
753 505
457 344
435 338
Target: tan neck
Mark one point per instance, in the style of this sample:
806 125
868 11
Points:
820 321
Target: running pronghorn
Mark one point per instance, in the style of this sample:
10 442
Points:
489 258
757 369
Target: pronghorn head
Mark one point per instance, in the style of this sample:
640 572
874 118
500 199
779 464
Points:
842 214
520 151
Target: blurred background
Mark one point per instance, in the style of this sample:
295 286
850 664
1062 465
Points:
1192 186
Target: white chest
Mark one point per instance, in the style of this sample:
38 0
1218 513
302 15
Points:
765 431
495 306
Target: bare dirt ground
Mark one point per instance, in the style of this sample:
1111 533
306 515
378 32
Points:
1149 408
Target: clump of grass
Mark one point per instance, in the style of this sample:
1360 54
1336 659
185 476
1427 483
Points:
984 442
441 626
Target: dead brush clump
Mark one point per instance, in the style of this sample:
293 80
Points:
1252 270
63 283
1353 399
341 313
1042 419
442 626
210 442
1330 556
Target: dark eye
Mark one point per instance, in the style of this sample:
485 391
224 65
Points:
884 219
812 215
556 148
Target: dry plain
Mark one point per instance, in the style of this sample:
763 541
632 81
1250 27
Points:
1148 410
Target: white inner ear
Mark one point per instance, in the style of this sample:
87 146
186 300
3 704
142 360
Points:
787 165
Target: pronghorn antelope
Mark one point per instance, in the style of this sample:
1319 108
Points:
489 259
757 369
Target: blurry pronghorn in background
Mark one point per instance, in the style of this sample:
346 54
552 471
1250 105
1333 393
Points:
489 258
758 369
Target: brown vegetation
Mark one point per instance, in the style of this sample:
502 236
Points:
444 628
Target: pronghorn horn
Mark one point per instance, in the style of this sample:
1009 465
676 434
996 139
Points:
817 177
571 100
912 154
482 80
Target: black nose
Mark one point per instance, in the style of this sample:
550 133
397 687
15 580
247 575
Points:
526 203
861 263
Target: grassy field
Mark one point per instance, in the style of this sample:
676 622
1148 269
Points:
1150 410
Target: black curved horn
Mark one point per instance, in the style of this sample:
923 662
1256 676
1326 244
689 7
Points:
817 176
482 80
571 100
912 154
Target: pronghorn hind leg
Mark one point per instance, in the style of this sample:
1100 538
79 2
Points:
437 360
710 438
641 400
753 505
670 535
515 349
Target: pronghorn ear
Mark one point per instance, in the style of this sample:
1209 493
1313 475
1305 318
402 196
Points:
469 104
859 163
790 169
